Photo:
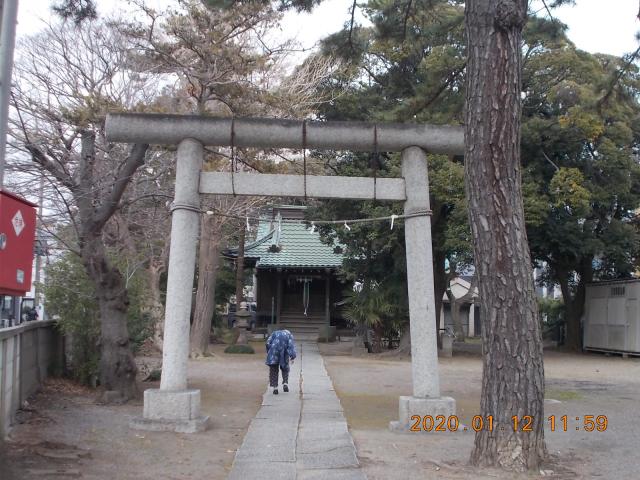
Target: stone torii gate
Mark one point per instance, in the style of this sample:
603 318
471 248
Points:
173 406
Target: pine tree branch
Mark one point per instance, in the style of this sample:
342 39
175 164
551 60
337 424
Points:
625 68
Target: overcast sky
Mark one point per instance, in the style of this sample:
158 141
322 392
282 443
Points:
594 25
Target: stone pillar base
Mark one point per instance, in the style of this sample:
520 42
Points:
171 410
410 406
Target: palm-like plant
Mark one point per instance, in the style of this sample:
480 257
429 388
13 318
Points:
373 307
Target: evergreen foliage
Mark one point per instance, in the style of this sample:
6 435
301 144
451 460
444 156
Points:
580 136
579 145
299 5
69 296
407 67
239 349
76 10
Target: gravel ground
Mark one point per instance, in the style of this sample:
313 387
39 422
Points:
577 385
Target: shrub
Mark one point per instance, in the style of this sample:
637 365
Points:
239 349
70 296
551 311
154 376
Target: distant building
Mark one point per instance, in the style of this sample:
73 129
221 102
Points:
542 289
296 284
612 316
469 310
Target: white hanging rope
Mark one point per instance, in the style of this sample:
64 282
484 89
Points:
315 223
305 295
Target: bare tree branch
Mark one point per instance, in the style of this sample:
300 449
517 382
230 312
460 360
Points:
550 161
134 161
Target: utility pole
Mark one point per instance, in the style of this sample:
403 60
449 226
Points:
7 42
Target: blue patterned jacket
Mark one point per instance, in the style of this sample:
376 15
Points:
280 348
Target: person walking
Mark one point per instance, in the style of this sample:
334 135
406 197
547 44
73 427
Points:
280 349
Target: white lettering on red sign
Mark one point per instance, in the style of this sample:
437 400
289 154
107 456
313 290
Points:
18 223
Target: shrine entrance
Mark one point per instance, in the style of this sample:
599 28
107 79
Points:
305 295
175 407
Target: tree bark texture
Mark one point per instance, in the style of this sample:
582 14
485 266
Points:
572 313
458 331
574 302
205 296
377 338
119 231
117 364
156 306
513 371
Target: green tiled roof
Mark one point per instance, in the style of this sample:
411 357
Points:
298 247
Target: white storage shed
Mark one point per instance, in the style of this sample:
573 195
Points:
612 316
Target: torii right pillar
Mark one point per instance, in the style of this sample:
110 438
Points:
426 399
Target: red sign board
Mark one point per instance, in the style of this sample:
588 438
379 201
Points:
17 235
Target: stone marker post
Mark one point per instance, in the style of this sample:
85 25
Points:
242 323
426 399
174 407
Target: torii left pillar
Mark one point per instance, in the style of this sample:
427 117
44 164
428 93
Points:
173 406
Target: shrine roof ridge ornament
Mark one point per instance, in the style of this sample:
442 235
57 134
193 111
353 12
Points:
166 129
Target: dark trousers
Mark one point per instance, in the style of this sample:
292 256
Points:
273 375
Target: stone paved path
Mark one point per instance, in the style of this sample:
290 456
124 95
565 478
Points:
300 435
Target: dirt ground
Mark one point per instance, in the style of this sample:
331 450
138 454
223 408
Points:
64 433
576 385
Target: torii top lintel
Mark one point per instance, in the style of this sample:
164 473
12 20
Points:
167 129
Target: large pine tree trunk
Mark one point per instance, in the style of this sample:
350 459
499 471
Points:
117 364
513 372
205 297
